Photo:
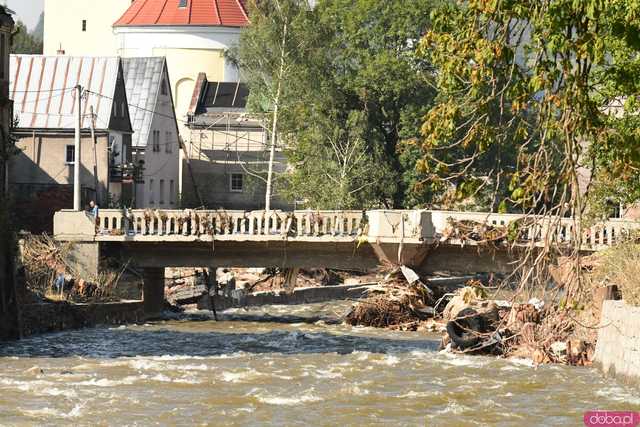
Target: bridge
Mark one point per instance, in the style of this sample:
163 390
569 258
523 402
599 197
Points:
425 240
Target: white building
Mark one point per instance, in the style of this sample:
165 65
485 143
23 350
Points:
81 27
155 141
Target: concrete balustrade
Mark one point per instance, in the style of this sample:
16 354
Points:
411 226
122 224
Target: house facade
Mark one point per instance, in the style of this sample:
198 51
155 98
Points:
155 143
227 150
41 174
81 27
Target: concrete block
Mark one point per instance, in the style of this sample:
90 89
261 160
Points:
618 348
69 224
396 224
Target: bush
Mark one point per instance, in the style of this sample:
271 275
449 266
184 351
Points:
621 266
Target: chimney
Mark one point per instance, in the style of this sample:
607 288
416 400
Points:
60 50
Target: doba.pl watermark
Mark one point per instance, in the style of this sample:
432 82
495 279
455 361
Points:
611 418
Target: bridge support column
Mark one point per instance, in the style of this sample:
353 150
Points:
153 291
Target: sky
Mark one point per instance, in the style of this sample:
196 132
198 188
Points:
27 11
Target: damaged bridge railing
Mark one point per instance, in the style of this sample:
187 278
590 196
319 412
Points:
223 222
461 227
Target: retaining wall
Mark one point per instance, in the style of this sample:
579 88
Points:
53 317
618 348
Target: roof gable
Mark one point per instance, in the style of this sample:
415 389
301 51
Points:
225 13
144 77
42 88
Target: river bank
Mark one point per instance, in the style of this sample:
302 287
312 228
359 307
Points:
279 369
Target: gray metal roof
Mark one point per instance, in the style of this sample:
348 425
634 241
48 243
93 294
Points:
143 77
42 89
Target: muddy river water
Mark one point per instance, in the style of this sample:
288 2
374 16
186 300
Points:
283 366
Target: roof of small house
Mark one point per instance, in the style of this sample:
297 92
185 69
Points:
225 13
42 89
143 78
214 103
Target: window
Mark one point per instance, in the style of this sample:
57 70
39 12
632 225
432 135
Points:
172 189
163 87
124 109
84 25
168 143
156 141
70 156
151 192
161 192
183 3
237 182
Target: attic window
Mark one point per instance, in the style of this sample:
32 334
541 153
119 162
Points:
183 3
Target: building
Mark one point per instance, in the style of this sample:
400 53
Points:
155 140
6 104
9 310
227 150
81 27
43 89
192 34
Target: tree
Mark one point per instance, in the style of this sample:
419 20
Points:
24 42
266 56
38 30
349 70
558 80
368 49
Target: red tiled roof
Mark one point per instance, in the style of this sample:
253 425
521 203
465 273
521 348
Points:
225 13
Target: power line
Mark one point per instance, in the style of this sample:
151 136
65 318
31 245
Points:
42 90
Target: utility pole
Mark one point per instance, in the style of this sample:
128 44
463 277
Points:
77 151
95 154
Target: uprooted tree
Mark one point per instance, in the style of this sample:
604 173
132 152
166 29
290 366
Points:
535 98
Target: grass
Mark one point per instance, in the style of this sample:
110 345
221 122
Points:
621 266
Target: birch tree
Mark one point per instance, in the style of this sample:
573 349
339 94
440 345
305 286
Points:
266 56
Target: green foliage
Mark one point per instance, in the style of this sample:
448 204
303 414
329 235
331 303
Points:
335 168
24 42
526 91
38 30
351 94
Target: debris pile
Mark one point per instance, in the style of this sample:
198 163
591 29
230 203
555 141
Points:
43 259
528 330
48 273
394 303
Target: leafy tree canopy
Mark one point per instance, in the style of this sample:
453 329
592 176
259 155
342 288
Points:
24 42
556 80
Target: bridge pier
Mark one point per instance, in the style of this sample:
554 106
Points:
153 291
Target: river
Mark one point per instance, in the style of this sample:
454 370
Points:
283 366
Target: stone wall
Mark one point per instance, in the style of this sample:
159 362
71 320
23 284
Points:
54 317
618 348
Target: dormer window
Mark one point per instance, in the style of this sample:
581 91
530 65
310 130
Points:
183 3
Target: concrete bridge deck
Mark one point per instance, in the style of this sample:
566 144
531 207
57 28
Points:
326 227
356 240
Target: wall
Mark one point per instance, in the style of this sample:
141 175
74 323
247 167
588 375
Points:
42 159
63 26
163 164
189 50
53 317
618 348
214 156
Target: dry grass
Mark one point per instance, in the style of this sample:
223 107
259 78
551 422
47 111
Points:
620 266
